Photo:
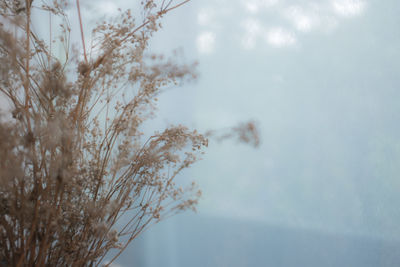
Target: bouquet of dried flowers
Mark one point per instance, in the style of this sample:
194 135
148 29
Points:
78 177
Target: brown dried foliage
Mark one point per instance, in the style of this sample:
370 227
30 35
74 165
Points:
78 178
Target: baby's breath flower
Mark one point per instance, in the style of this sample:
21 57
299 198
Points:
78 175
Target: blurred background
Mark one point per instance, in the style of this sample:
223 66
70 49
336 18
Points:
321 78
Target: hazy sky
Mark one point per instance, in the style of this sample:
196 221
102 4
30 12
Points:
320 77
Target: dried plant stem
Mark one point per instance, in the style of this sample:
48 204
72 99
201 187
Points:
27 59
81 28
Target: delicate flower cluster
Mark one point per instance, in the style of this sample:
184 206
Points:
245 133
77 175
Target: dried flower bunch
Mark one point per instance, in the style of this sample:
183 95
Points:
73 159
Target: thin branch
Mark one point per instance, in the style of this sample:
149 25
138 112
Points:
81 28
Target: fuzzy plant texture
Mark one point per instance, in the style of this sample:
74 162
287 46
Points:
78 176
